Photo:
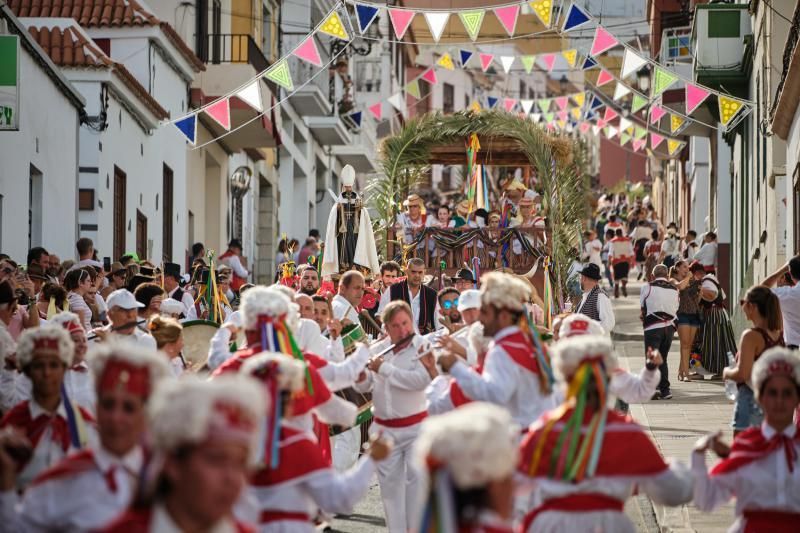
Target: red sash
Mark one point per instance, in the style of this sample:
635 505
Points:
278 516
750 445
574 503
402 422
138 521
457 396
761 520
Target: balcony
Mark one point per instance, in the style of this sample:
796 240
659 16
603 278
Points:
676 50
313 98
722 46
361 151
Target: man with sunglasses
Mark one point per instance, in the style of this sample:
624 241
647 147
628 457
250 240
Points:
117 279
450 317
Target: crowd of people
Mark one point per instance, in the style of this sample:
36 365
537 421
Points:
477 424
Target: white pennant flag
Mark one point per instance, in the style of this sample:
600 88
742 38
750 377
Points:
611 132
437 20
621 91
631 63
596 129
507 61
537 117
251 95
624 124
526 105
398 101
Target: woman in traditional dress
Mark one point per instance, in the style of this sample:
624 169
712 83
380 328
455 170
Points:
716 335
584 459
761 468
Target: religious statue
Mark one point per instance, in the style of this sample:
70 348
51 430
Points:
349 238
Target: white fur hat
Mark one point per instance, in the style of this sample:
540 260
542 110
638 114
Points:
64 319
289 373
50 339
476 443
307 333
504 291
190 411
579 324
348 176
263 301
775 361
124 364
293 315
568 354
171 306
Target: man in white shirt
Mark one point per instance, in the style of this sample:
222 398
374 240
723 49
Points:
421 298
592 248
172 276
670 248
594 302
397 381
707 254
689 245
85 248
659 302
351 290
123 317
787 279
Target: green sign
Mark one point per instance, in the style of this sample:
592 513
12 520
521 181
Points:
9 82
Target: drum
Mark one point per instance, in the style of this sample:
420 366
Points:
196 341
351 334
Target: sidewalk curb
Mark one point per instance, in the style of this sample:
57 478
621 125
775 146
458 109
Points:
620 336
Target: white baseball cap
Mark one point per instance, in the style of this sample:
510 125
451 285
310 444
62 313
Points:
469 299
124 299
171 306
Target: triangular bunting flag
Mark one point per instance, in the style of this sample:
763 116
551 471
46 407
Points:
694 97
376 110
571 56
356 118
562 115
508 17
562 102
673 145
527 105
491 101
398 101
543 10
604 77
401 20
611 132
624 138
334 27
576 17
655 140
527 62
639 102
220 111
365 14
656 114
675 123
728 107
621 91
412 88
188 126
596 129
509 104
429 76
536 117
544 104
437 20
475 106
602 123
465 57
279 73
446 62
631 63
639 133
596 102
584 127
307 51
662 80
610 114
588 63
506 61
579 98
251 95
603 41
624 124
472 21
549 60
576 113
638 144
486 61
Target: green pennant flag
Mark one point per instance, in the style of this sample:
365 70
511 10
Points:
527 62
279 73
544 104
639 102
472 21
549 117
624 138
413 89
639 133
662 80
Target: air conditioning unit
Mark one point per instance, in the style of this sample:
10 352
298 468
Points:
719 36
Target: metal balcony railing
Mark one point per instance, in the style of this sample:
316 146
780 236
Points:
676 45
234 48
367 76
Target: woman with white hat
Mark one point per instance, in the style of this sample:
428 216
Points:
761 468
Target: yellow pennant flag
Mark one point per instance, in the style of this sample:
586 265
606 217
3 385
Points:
728 107
576 113
570 56
475 106
543 10
579 98
673 145
333 26
675 123
446 61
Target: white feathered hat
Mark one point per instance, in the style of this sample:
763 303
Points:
288 373
569 353
190 411
773 362
348 176
504 291
66 320
171 306
477 340
46 340
476 443
123 364
263 301
579 324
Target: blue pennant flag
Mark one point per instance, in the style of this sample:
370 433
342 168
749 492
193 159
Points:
356 118
188 126
465 56
492 101
365 14
575 18
595 103
589 63
591 115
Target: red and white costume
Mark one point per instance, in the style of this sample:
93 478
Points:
157 520
621 250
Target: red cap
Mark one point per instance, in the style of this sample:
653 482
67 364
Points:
119 374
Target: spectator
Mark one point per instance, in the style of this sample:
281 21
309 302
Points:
659 302
443 220
448 304
592 248
233 258
309 249
413 221
707 254
86 254
77 283
54 266
117 279
462 213
52 300
421 298
38 277
464 280
689 245
594 302
198 252
38 256
689 320
345 303
390 271
787 279
670 248
283 254
309 280
150 295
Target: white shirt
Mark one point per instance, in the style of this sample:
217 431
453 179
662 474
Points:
707 254
386 298
659 300
16 387
342 309
235 263
669 247
790 308
592 249
606 312
79 306
186 300
138 337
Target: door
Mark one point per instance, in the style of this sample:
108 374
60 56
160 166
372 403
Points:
120 218
166 246
141 235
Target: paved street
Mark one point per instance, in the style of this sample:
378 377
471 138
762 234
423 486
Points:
674 424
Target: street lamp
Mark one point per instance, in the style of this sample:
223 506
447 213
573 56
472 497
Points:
643 76
240 181
563 82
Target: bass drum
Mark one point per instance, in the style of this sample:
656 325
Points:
196 341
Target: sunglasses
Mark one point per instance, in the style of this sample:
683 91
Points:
449 304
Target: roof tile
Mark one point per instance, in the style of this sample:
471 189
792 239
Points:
88 13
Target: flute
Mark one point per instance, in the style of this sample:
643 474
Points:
118 328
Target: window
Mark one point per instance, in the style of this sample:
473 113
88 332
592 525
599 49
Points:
723 24
678 46
448 98
167 215
141 235
120 218
85 199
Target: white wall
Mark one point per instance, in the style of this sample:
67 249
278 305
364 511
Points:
698 170
792 160
49 142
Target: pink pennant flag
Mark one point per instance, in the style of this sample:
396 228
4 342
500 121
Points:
509 104
562 115
307 51
376 110
655 140
486 60
656 113
221 112
603 41
694 97
549 61
430 76
508 17
609 115
604 77
602 123
638 144
551 125
584 127
562 102
401 20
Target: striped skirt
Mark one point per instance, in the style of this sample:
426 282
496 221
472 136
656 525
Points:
715 340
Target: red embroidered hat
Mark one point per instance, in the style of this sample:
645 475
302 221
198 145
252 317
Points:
123 365
44 341
774 362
